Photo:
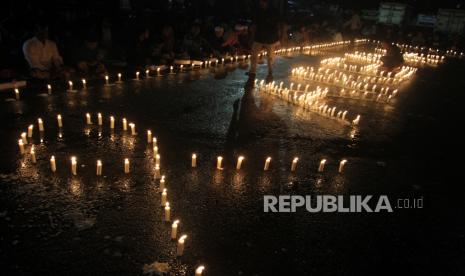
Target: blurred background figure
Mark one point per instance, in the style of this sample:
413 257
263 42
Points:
393 57
89 58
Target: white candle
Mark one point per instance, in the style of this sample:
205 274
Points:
119 77
70 83
157 171
88 119
180 249
21 146
162 183
322 165
194 160
154 141
112 122
41 124
155 151
157 159
84 83
137 75
218 163
174 229
356 120
199 270
344 115
167 212
239 162
164 195
125 124
126 165
17 94
158 71
73 165
341 165
49 88
294 164
267 164
30 130
33 155
24 138
99 167
147 73
133 128
180 68
53 165
99 119
107 80
171 69
149 136
60 121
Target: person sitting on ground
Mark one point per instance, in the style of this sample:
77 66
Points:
194 44
393 57
216 42
231 41
45 62
164 51
245 41
89 58
139 53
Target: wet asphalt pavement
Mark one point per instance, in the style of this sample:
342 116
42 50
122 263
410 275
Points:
89 225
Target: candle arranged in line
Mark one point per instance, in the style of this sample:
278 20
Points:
154 141
167 212
24 137
99 168
155 151
125 124
53 165
88 119
107 80
162 183
137 75
321 167
126 165
21 146
49 89
180 248
341 165
74 165
157 159
149 136
267 164
239 162
194 160
59 121
84 83
33 155
17 94
199 270
164 196
112 122
174 229
30 130
294 164
133 128
147 73
99 119
70 85
157 171
41 124
218 163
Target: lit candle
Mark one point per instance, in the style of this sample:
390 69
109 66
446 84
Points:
88 119
119 77
21 146
322 165
294 164
180 68
158 71
167 211
149 136
171 69
137 75
17 94
157 171
341 165
174 229
164 195
33 155
107 80
49 88
84 83
154 141
199 270
41 124
180 249
126 165
194 160
24 138
73 165
239 162
218 163
125 124
53 165
99 167
147 73
133 128
157 159
155 151
30 130
356 120
60 121
99 119
112 122
162 183
70 83
267 164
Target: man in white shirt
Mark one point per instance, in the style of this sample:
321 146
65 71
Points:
42 54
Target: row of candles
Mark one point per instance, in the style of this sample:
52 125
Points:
308 100
342 80
417 58
422 49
